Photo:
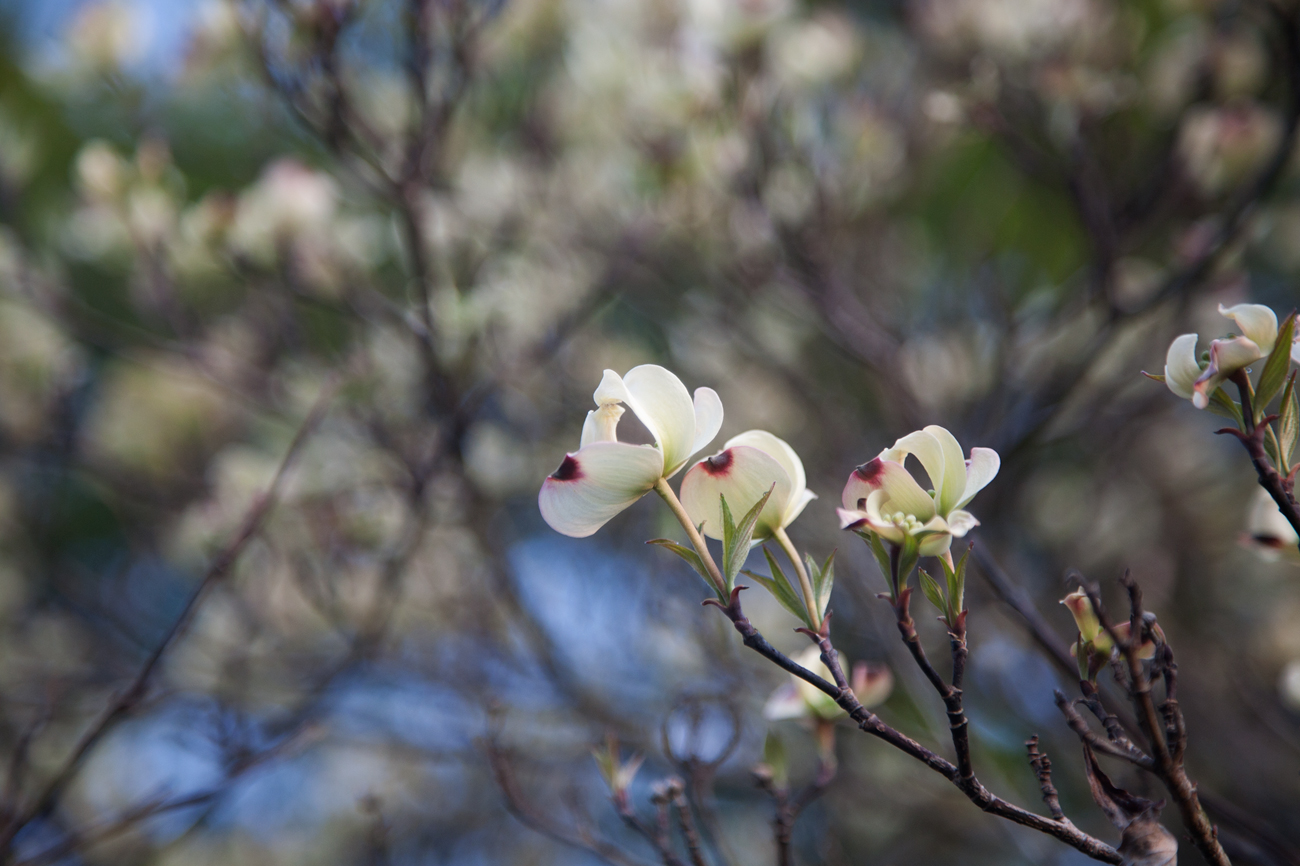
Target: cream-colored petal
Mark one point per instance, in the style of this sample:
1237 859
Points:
611 390
779 450
899 486
601 425
742 474
665 407
797 506
1256 321
949 495
928 450
708 418
1181 367
982 468
785 703
961 522
1226 358
595 483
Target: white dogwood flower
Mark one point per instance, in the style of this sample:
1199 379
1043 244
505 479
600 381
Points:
744 470
605 476
882 496
1183 373
800 699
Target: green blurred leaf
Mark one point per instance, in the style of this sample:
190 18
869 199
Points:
1289 424
774 757
691 557
1276 367
823 580
779 586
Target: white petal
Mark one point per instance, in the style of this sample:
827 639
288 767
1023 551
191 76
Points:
900 488
1226 358
611 390
784 703
954 470
873 519
1257 322
708 418
980 470
664 406
742 474
1181 367
851 518
1266 520
595 483
601 425
776 448
797 506
927 449
961 522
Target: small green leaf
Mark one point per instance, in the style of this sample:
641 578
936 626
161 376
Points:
779 586
737 540
908 557
1276 367
774 757
1288 425
878 550
1224 406
958 596
932 591
823 579
691 557
1155 377
728 536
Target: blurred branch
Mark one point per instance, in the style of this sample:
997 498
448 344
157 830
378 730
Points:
532 817
127 699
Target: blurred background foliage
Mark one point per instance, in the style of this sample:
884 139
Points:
447 217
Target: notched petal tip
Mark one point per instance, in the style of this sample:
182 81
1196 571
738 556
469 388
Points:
719 464
569 470
871 471
850 519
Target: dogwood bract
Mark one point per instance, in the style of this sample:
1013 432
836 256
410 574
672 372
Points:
883 497
745 469
605 476
1183 373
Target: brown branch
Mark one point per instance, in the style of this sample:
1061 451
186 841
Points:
1170 771
873 725
128 698
951 694
1043 769
686 822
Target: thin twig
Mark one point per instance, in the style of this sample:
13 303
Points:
128 698
872 724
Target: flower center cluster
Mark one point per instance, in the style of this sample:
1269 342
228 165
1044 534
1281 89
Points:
907 522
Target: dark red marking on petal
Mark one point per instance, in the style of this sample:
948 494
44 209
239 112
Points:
1270 541
569 470
718 464
871 471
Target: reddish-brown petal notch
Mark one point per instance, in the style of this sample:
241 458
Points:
718 464
870 471
568 471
